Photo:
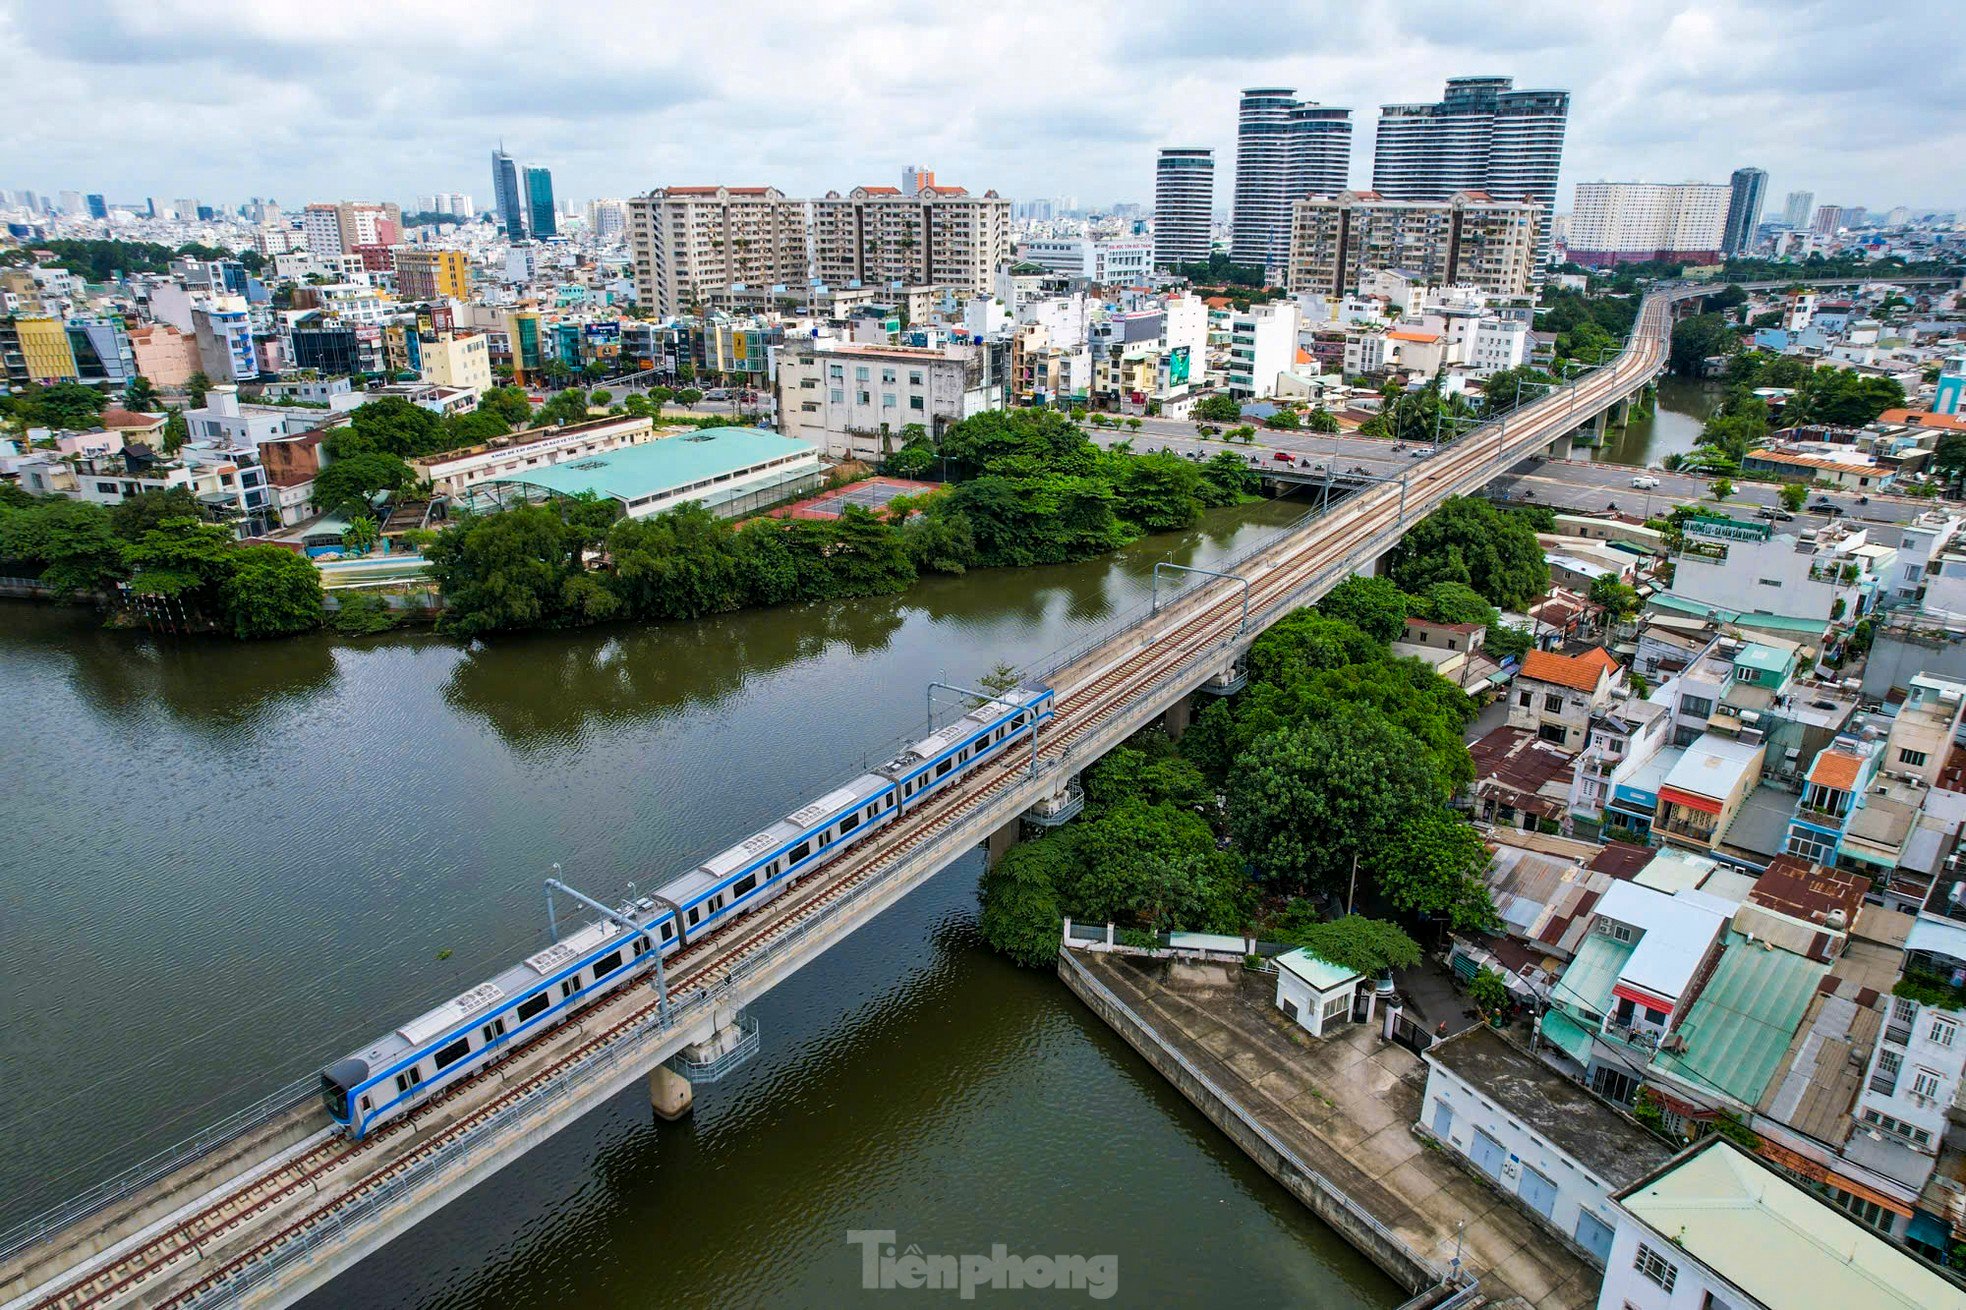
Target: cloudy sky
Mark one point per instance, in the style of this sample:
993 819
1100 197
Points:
221 99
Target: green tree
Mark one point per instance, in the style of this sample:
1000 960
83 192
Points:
1158 492
184 559
1375 606
69 405
139 395
1284 420
138 514
563 409
272 592
196 388
688 397
1370 946
71 542
360 536
1020 916
508 570
1949 456
1699 338
1614 596
389 426
1303 801
510 404
1227 478
1453 602
350 485
602 397
1434 867
176 432
1320 419
1217 409
1793 495
1720 489
473 429
1468 540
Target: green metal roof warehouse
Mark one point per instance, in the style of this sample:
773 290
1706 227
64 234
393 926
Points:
727 470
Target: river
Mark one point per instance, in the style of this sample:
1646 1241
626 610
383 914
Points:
1673 428
229 863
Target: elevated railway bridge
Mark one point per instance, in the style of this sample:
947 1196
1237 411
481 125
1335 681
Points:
273 1203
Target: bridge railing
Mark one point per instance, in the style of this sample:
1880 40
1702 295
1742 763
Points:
166 1162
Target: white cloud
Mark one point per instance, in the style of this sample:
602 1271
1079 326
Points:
387 98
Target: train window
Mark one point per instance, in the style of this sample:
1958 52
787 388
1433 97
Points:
849 823
571 985
409 1078
744 885
695 913
802 850
944 767
494 1030
641 947
451 1054
606 965
532 1005
365 1105
668 929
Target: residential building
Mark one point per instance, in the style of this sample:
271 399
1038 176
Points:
223 329
939 236
852 401
1555 696
1535 1134
916 176
1796 209
164 355
692 244
1482 135
508 198
1642 222
1717 1229
1105 262
345 226
1701 793
1744 573
1314 993
36 349
1496 345
1285 148
1262 345
540 216
102 352
1745 193
458 359
525 336
1184 205
1828 221
454 472
1950 398
424 273
1466 238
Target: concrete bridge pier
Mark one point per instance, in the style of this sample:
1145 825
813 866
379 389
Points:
1178 716
1001 841
670 1093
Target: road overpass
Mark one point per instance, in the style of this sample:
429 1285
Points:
271 1204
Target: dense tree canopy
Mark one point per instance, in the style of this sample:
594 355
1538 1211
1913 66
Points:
1375 606
271 592
1468 540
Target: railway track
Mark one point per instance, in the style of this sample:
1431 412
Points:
322 1175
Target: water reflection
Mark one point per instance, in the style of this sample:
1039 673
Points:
213 686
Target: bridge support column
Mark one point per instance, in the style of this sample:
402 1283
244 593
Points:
1179 715
670 1093
1001 841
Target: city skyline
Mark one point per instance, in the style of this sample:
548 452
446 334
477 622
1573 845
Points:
1656 96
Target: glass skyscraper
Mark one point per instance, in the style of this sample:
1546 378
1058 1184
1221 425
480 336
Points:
1286 149
1749 186
505 188
539 202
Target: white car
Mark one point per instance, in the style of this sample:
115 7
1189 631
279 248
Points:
1644 483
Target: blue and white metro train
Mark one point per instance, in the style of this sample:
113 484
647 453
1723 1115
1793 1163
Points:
406 1066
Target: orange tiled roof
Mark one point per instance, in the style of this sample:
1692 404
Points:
1923 419
1835 769
1578 672
1414 336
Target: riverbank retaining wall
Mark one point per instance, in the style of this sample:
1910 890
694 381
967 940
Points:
1399 1261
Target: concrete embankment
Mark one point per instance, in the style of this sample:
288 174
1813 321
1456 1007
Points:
1331 1121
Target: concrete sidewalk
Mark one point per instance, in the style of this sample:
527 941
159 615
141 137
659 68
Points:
1346 1105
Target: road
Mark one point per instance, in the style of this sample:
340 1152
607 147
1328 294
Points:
1577 485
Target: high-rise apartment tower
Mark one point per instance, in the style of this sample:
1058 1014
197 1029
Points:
1286 149
1184 201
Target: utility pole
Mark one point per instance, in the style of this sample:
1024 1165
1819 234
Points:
1352 895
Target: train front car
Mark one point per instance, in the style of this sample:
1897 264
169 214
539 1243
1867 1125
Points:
338 1083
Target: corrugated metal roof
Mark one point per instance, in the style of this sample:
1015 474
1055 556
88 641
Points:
656 466
1740 1027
